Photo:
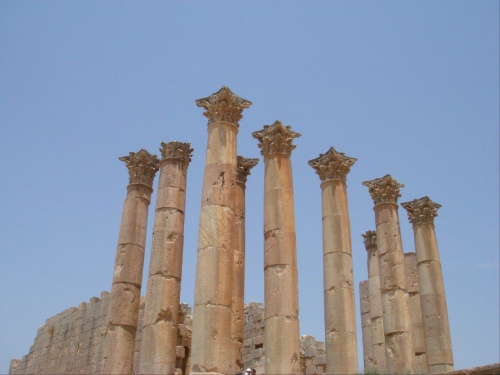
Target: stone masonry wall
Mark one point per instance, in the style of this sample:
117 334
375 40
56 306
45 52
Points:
71 342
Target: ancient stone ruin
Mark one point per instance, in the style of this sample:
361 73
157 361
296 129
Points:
405 325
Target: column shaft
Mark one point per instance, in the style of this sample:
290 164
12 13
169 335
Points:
376 315
433 301
340 315
238 301
366 330
211 340
413 286
161 311
280 269
127 277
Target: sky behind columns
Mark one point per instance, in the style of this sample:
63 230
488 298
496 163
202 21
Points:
407 88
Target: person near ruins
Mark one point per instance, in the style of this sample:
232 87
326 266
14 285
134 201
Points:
248 371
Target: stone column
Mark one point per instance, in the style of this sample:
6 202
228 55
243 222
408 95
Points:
416 312
400 355
421 213
161 311
340 314
366 330
281 297
238 305
125 296
379 362
211 340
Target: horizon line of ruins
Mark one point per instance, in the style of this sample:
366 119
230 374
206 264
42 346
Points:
404 318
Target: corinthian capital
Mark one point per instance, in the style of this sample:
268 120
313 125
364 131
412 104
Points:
384 189
332 165
421 211
276 139
142 167
223 105
176 150
243 168
370 239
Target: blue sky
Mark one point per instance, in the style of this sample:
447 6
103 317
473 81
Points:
408 88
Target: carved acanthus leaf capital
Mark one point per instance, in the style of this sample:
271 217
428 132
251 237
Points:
142 167
332 165
276 139
243 168
421 211
384 189
223 105
176 150
370 239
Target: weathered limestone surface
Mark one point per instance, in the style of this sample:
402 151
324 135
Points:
244 166
340 317
421 213
413 286
493 369
71 342
312 352
366 330
400 355
378 363
159 336
118 353
211 347
280 252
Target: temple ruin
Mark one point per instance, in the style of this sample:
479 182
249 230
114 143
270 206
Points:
404 316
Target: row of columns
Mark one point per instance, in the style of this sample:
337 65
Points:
388 326
404 330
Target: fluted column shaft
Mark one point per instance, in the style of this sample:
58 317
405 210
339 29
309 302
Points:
211 340
413 287
238 301
161 312
282 344
421 213
379 362
366 325
127 277
400 355
340 314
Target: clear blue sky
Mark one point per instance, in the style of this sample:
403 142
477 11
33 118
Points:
408 88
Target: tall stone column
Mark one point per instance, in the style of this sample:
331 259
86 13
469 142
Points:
161 311
281 295
127 277
416 312
238 305
340 314
379 362
211 340
421 213
400 355
366 330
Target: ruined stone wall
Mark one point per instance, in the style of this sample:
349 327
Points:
71 342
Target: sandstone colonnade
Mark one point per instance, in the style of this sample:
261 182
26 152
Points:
403 307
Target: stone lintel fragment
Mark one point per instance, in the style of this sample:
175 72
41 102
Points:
176 150
370 239
332 165
142 167
243 168
421 211
276 139
223 105
384 189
